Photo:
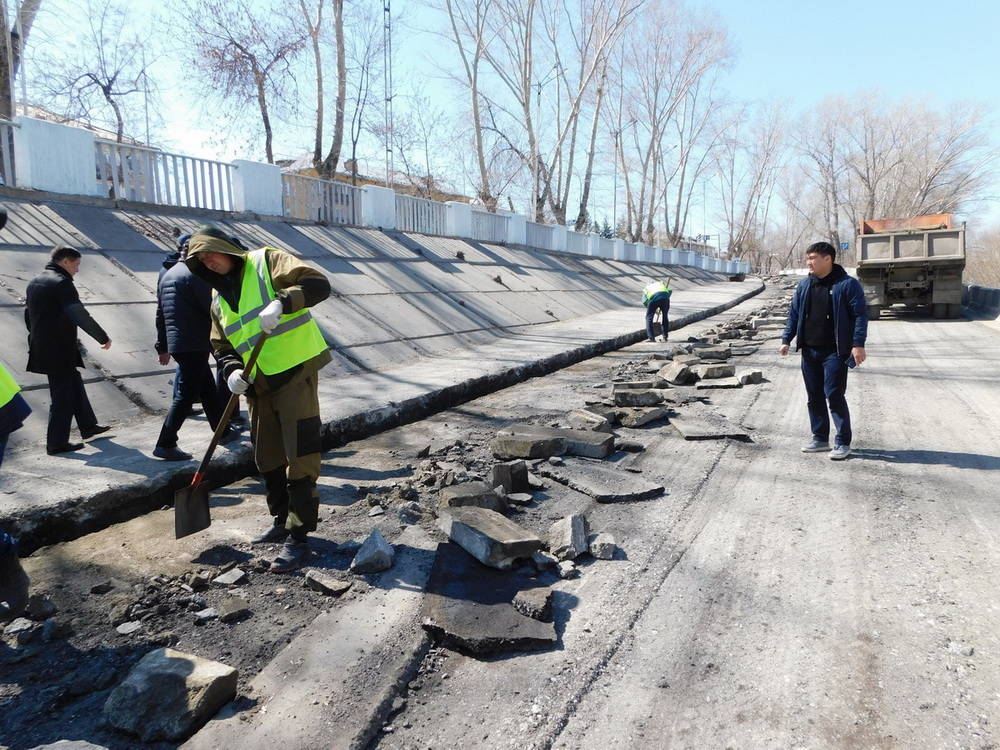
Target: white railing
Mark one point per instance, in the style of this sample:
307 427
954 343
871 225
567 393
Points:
421 215
606 247
629 251
538 235
146 175
576 242
488 226
314 199
7 152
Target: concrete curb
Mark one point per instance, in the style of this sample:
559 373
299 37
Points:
85 514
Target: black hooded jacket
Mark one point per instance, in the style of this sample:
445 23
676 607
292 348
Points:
183 309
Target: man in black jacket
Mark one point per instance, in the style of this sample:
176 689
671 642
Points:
52 315
183 323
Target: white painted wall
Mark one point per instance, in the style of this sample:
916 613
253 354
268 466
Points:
378 207
257 188
458 219
54 157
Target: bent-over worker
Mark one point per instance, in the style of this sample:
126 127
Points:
656 296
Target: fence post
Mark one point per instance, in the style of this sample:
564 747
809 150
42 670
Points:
557 237
619 251
458 219
593 245
257 188
378 207
517 229
53 157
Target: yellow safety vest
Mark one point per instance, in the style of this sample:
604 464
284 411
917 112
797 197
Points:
8 388
296 338
650 290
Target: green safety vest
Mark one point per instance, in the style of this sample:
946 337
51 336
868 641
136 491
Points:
650 290
8 388
296 338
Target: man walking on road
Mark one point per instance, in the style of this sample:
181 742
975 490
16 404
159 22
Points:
52 315
829 320
656 296
269 290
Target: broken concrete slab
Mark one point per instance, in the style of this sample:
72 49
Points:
234 609
469 608
631 385
512 476
744 351
638 398
232 577
169 694
509 446
585 419
471 494
567 569
713 352
375 555
688 359
602 546
603 483
677 373
751 377
325 584
576 442
633 417
568 537
716 383
491 538
709 371
534 603
520 498
700 422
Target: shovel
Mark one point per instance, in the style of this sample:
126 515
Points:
191 512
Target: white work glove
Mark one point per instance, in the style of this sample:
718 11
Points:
270 315
237 382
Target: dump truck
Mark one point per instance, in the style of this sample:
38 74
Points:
913 261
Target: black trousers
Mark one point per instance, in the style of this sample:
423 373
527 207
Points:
69 401
825 375
193 382
662 305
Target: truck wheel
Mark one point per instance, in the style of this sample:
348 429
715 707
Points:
874 311
939 310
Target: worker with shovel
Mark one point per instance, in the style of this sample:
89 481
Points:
656 298
268 292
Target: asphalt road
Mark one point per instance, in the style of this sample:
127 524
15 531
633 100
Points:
773 598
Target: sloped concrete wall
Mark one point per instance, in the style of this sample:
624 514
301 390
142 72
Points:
396 296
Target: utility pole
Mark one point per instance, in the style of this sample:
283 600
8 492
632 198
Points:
387 67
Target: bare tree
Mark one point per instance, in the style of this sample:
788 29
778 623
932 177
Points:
314 30
13 41
244 55
329 169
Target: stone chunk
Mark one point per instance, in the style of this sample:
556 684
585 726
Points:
127 628
717 353
688 359
234 609
169 694
489 537
719 383
568 537
639 417
575 442
520 498
543 560
638 398
375 555
602 546
584 419
632 385
677 373
40 607
512 476
233 577
477 494
567 569
603 483
70 745
702 423
744 351
748 377
534 603
325 584
707 372
21 630
507 446
205 615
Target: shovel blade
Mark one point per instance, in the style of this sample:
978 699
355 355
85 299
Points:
191 512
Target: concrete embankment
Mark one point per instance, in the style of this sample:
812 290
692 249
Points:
416 324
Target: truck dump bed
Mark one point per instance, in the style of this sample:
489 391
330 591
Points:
918 239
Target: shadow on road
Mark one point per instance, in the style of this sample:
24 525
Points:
934 458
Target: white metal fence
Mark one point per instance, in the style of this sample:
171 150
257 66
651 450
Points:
488 227
538 235
576 242
421 215
314 199
146 175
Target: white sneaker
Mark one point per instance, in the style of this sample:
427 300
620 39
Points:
840 452
816 446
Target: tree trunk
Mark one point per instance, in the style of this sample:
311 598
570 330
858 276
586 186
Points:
332 158
265 116
11 53
581 216
317 57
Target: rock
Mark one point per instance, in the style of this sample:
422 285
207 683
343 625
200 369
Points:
534 483
687 359
375 555
169 694
602 546
520 498
677 373
409 513
574 442
232 577
747 377
234 609
629 446
555 461
489 537
205 615
761 322
127 628
70 745
706 372
326 584
534 603
21 630
376 510
603 483
584 419
632 385
719 383
543 560
40 607
699 422
474 494
744 351
424 451
512 476
567 569
638 398
568 537
630 417
716 353
526 446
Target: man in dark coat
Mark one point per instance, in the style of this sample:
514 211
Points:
183 323
52 315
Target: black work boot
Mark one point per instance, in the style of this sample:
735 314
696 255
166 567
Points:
293 555
277 533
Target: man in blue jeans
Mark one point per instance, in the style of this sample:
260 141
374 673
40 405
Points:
829 320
